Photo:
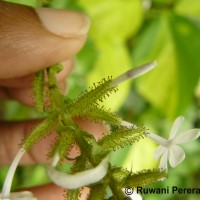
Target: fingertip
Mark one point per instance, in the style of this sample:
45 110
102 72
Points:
26 95
64 23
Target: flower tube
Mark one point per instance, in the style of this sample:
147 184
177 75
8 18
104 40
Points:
11 172
80 179
133 73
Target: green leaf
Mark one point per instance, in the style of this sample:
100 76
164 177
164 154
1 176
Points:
113 18
189 8
172 40
32 3
60 4
166 3
133 157
87 56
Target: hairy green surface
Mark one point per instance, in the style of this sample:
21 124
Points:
100 114
73 194
91 98
122 137
144 178
39 132
97 192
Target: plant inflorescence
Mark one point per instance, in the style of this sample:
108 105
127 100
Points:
91 167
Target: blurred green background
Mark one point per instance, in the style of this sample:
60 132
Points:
124 34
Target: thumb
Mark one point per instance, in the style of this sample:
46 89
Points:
31 40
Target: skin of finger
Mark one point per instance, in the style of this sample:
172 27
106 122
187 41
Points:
96 129
26 95
31 46
52 192
12 134
27 81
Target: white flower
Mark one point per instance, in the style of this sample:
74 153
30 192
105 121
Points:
169 149
133 73
80 179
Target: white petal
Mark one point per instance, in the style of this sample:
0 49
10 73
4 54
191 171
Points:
176 126
158 152
80 179
163 161
187 136
176 155
133 73
158 139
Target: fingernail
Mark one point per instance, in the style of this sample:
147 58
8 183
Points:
64 23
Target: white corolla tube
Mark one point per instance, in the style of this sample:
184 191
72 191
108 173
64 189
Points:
80 179
8 181
24 195
133 73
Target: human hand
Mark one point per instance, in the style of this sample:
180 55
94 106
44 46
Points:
31 40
